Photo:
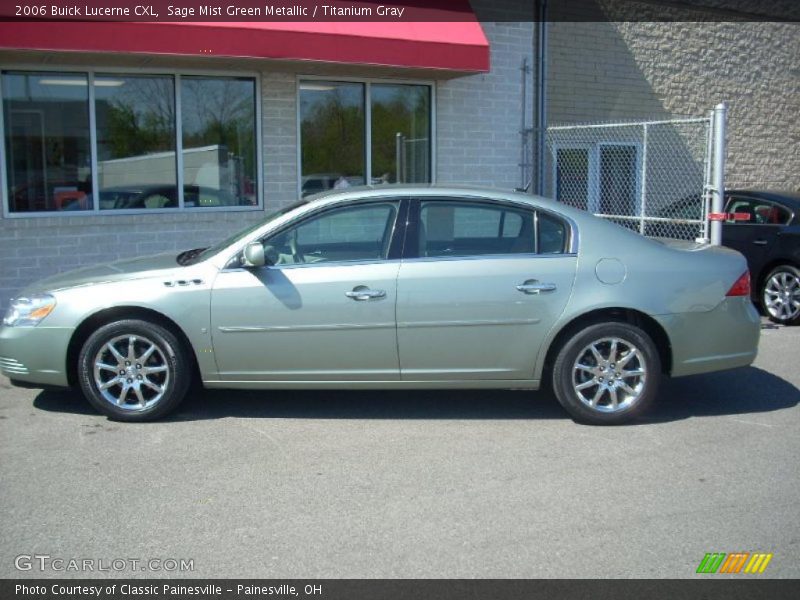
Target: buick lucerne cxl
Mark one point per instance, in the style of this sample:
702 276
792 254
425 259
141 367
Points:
402 287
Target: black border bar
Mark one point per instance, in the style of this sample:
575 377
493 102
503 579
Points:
419 10
707 588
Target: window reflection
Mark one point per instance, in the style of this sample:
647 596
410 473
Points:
400 133
218 117
136 141
47 143
332 128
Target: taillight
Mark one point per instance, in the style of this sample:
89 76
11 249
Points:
741 287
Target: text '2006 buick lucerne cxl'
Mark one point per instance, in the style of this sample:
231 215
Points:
405 287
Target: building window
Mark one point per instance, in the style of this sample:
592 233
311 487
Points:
159 141
219 141
136 166
332 131
344 144
47 141
401 133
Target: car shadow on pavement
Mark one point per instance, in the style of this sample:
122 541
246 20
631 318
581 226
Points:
735 392
340 404
741 391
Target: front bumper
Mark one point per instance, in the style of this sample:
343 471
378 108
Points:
723 338
35 355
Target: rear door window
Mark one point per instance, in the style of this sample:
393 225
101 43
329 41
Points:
470 229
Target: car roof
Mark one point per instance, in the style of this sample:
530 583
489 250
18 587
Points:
459 192
446 192
790 199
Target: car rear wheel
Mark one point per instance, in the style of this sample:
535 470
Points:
134 370
780 295
607 374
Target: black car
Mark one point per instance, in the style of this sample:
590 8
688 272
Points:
766 229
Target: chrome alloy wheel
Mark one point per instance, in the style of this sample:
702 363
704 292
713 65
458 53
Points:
131 372
609 375
782 296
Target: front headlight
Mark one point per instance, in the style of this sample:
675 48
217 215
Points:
28 312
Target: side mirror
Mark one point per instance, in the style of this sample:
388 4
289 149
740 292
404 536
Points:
253 255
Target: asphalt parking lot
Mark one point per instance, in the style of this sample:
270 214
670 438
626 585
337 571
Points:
412 484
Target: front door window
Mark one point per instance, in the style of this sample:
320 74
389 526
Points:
356 233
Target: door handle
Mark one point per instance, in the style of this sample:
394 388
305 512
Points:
533 286
760 242
362 293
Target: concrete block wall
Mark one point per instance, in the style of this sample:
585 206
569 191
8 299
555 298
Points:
651 70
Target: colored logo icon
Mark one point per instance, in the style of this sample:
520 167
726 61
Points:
735 562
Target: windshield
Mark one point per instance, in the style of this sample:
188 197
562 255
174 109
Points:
211 251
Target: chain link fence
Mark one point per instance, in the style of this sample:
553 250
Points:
652 176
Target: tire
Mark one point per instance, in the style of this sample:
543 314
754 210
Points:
780 295
588 392
145 370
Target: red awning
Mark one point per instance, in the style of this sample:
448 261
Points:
452 46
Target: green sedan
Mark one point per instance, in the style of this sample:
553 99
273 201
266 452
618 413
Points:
393 287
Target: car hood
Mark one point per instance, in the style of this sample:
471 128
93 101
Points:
127 269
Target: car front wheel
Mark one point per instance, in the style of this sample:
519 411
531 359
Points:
134 370
607 374
780 295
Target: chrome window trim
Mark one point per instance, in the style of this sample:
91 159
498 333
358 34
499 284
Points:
389 261
525 256
333 263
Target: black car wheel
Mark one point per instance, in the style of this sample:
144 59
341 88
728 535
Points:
780 295
134 370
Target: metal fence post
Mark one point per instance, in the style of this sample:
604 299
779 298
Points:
718 201
643 199
707 174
